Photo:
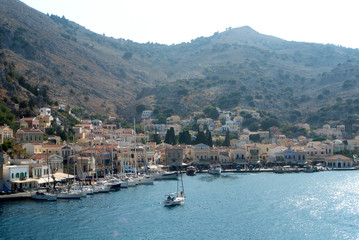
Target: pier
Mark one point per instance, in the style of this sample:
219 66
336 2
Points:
15 196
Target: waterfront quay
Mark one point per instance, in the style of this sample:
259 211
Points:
15 196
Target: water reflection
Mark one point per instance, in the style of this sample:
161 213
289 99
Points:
210 178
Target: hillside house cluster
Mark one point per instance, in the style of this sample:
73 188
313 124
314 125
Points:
99 148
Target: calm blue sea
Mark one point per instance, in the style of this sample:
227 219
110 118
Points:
322 205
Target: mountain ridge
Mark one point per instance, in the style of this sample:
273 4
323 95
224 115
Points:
237 67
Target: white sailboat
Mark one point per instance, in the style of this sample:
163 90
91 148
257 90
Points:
68 194
44 196
177 198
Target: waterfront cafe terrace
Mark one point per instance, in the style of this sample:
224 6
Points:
19 177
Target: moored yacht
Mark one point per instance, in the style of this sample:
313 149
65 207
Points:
191 171
169 175
145 180
215 169
44 196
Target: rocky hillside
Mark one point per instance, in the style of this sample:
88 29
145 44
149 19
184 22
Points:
238 67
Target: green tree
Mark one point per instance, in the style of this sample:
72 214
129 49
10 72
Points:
254 126
171 137
200 138
23 104
211 112
209 139
140 108
6 116
268 123
161 119
31 103
254 137
155 138
8 144
319 139
227 140
184 137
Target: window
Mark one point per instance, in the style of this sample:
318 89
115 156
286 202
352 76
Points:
17 175
12 175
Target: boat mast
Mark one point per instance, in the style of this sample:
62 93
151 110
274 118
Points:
134 126
182 193
92 157
48 168
112 157
121 153
146 162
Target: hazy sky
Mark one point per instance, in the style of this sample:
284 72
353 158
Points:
174 21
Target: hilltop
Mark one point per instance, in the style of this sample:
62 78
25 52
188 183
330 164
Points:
237 67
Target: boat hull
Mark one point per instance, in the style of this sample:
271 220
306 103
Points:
191 172
69 195
174 202
168 176
44 196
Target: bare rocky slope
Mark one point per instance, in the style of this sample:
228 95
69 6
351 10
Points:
238 67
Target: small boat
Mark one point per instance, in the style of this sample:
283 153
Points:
169 175
114 183
174 199
278 170
215 169
308 169
131 182
69 195
145 180
44 196
102 188
124 184
191 171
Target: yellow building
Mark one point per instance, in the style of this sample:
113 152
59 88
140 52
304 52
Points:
338 161
45 121
5 133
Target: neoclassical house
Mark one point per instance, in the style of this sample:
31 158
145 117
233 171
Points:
29 135
338 161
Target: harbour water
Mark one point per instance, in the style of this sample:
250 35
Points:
322 205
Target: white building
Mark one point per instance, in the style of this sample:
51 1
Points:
96 122
16 177
45 111
146 114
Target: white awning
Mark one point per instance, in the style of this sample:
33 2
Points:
44 180
62 176
25 181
